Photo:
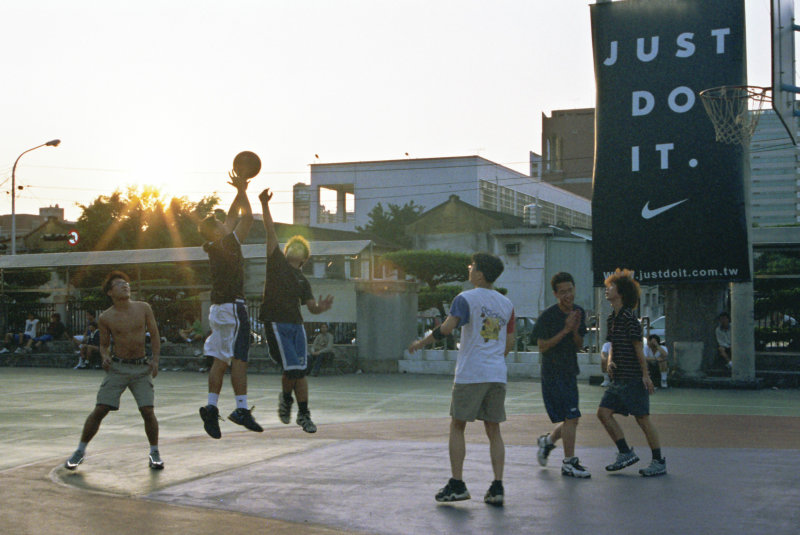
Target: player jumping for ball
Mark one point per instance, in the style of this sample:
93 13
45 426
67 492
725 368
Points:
126 365
285 290
229 342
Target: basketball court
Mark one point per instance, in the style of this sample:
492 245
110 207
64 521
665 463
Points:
379 457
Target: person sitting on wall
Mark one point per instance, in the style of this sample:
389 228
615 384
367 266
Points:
723 334
31 324
55 331
90 348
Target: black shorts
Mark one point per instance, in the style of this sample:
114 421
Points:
560 396
627 397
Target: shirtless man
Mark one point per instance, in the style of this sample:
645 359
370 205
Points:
126 366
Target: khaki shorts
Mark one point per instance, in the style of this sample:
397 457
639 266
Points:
479 401
121 376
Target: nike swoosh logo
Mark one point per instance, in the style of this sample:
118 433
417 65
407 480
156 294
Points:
648 213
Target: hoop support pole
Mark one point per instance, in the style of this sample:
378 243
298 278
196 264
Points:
789 87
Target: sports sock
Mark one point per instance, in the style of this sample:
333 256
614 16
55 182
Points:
213 399
656 454
663 377
302 406
82 447
241 402
287 397
548 440
153 449
622 446
606 378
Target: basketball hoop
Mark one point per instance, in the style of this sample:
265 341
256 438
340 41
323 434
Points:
735 110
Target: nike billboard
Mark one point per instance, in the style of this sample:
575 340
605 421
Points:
668 199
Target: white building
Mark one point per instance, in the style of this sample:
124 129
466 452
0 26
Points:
343 194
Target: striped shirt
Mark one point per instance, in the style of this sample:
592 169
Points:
623 330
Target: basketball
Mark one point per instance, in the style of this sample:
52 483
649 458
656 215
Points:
246 164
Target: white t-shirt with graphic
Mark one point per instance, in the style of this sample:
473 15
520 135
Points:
30 327
486 316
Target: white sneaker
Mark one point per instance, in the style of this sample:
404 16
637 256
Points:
18 351
4 350
572 467
664 384
605 383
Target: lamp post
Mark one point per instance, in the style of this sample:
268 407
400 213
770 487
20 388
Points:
53 143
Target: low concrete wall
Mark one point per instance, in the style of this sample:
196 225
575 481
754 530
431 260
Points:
520 364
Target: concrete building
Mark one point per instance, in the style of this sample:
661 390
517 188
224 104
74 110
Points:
774 175
568 150
343 194
531 254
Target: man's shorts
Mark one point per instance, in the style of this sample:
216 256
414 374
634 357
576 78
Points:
288 347
44 338
627 397
121 376
230 332
25 338
560 395
479 401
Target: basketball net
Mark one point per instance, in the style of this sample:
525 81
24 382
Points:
735 110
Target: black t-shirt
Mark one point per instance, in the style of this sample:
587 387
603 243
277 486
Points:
93 339
227 269
286 289
623 330
563 357
56 329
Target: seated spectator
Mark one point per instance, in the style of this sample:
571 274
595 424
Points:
79 338
90 348
31 325
55 331
723 333
656 354
321 348
192 331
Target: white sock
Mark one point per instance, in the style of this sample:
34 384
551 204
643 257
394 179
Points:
605 377
213 399
729 364
663 377
241 402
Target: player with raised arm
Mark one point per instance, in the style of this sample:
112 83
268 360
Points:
286 289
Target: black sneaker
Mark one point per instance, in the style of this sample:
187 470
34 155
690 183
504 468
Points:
304 421
284 408
73 462
454 491
210 416
494 496
245 418
656 468
155 461
572 467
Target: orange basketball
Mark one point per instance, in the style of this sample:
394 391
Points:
246 164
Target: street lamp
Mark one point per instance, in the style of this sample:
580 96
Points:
52 143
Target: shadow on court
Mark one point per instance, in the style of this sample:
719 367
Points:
379 457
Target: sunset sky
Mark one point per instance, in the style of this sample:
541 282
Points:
167 92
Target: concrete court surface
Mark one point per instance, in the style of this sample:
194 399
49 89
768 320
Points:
379 456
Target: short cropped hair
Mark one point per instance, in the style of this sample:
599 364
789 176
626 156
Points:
558 278
111 277
658 338
298 242
207 226
724 315
488 264
626 285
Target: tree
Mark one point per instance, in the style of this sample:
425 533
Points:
140 220
391 224
431 267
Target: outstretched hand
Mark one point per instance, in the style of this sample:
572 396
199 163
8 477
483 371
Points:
237 181
265 196
326 303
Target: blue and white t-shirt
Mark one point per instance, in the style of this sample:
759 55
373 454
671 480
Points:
486 317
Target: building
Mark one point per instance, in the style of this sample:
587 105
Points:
343 194
531 254
568 150
36 233
774 175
